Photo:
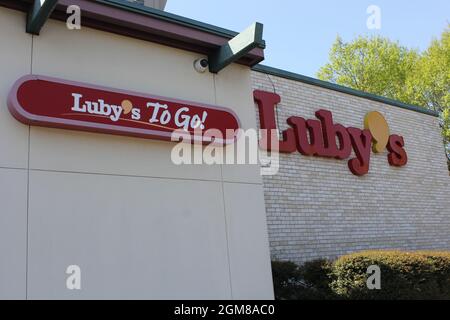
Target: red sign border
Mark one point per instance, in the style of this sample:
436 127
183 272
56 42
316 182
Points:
35 120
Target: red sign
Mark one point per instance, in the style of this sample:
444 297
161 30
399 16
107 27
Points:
50 102
322 137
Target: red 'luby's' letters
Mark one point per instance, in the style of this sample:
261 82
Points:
362 143
322 137
267 102
330 132
397 155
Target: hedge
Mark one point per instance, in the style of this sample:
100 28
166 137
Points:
404 275
306 282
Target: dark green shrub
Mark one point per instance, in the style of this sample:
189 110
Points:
286 280
318 275
404 275
311 281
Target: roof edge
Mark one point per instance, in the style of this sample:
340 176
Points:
144 23
332 86
170 17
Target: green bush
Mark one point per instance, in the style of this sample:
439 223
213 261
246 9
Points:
286 280
318 275
404 275
307 282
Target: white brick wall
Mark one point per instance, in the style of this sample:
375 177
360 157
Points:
317 208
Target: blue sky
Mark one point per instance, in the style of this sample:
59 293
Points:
299 33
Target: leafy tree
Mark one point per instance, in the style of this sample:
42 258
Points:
429 85
380 66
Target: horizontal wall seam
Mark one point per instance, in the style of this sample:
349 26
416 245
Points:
139 176
13 168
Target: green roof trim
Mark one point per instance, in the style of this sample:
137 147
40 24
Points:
237 47
339 88
39 13
170 17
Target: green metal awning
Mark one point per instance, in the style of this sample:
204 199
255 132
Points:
39 12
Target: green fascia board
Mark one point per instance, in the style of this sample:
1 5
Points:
236 48
39 12
339 88
170 17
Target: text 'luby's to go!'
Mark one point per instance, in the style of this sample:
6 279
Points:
50 102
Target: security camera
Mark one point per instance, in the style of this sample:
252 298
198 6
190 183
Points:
201 65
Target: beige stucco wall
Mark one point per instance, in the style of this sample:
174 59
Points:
137 225
317 208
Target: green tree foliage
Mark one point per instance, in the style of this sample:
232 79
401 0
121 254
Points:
380 66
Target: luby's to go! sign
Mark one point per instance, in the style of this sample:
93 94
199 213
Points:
322 137
50 102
